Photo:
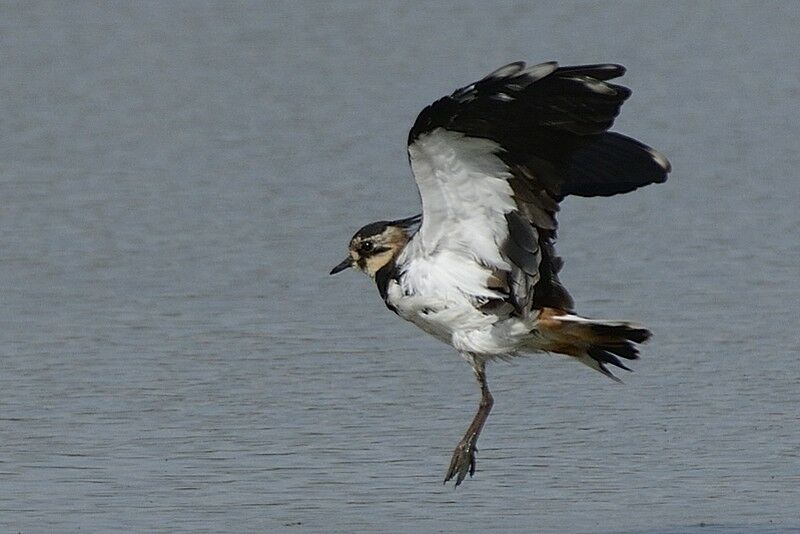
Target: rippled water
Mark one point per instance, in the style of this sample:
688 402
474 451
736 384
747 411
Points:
177 180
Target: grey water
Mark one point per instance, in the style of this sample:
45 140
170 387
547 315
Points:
177 179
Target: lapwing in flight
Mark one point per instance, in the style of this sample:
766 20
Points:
478 269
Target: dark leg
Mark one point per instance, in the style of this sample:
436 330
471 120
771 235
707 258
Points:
463 460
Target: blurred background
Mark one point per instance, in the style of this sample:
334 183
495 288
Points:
177 179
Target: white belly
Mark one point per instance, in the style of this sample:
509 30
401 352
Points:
456 322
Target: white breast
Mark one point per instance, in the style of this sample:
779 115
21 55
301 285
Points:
447 274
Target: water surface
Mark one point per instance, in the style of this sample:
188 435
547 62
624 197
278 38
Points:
177 180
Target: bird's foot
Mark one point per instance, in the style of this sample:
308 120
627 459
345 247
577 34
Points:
463 460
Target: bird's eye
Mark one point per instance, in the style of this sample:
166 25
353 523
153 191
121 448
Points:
366 246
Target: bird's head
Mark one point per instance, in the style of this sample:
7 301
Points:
376 244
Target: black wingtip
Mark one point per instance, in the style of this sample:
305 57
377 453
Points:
612 164
505 71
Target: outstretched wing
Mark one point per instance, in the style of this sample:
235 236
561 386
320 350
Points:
493 160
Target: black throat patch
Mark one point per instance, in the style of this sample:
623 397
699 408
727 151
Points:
385 274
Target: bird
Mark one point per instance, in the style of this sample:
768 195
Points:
477 269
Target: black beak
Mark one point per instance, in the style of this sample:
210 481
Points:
346 264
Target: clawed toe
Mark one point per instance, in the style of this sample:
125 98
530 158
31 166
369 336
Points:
463 462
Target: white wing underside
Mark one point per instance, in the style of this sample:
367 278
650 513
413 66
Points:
465 196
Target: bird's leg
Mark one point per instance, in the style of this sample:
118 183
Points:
463 460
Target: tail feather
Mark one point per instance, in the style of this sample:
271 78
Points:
594 343
605 356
